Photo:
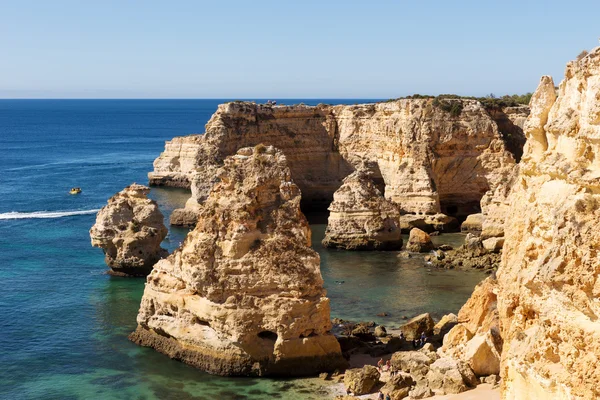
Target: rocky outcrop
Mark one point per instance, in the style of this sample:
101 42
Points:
426 159
130 229
476 338
361 218
548 281
244 294
175 166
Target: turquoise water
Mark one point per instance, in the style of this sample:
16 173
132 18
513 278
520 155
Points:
64 322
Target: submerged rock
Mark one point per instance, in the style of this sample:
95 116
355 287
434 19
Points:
244 294
130 229
361 218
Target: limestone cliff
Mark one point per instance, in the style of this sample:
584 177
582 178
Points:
244 294
361 218
425 159
130 229
548 281
175 166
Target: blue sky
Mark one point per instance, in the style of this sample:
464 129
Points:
287 49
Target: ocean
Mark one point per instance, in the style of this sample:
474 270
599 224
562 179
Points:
64 322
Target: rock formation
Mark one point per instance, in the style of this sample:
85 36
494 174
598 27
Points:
426 160
361 218
419 241
361 380
130 229
548 281
244 294
476 338
175 166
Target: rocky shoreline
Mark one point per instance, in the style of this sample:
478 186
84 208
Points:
244 295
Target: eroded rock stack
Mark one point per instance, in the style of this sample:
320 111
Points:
548 281
130 229
244 294
361 218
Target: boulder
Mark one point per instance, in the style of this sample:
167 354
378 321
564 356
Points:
483 355
444 325
130 229
380 331
480 312
493 244
442 223
417 325
458 335
420 391
473 223
361 380
419 241
398 386
416 363
244 293
360 218
449 376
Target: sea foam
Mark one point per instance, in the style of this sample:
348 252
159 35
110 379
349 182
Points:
44 214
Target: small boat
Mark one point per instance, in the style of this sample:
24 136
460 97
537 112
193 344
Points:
75 190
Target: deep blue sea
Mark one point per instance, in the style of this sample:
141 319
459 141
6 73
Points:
64 322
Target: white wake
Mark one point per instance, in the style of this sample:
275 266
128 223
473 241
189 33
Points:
44 214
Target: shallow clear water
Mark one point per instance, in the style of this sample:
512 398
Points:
64 322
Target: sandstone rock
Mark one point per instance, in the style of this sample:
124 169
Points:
420 391
244 294
427 348
444 325
398 386
458 335
394 344
361 380
480 312
380 331
494 244
361 218
419 241
363 332
426 160
175 166
417 325
472 224
442 223
548 284
130 229
491 379
483 355
448 376
416 363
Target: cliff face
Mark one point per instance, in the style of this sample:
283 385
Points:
426 159
177 163
548 282
360 218
130 229
244 294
